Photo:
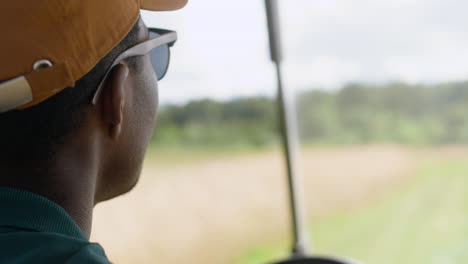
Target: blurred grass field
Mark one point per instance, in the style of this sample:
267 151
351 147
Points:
425 221
379 204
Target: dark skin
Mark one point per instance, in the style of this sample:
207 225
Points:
103 158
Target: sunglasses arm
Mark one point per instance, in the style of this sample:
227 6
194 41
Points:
137 50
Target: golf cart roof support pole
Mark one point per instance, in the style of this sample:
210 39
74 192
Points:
288 124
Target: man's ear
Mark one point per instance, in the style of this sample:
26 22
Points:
113 99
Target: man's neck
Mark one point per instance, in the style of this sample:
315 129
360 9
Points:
71 184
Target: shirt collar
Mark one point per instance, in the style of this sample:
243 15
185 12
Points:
25 210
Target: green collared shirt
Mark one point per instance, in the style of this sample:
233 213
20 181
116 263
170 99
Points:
36 230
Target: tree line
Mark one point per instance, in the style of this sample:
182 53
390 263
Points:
357 113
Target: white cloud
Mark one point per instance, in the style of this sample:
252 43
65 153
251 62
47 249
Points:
223 50
417 41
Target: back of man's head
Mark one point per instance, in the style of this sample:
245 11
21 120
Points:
78 93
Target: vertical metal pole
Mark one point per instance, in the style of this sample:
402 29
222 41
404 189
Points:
288 124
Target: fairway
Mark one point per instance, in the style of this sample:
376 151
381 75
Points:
381 204
423 222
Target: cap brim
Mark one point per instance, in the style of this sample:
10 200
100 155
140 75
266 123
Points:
162 5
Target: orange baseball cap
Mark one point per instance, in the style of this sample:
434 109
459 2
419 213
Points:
48 45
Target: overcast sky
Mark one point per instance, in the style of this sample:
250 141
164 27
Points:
222 50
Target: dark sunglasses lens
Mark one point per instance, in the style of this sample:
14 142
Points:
159 58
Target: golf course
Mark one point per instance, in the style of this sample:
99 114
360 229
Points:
376 203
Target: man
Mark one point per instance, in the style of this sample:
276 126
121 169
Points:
78 98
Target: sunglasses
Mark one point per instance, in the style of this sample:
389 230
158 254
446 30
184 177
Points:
157 46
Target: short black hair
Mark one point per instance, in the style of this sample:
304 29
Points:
31 136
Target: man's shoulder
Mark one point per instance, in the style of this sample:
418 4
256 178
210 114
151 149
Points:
42 247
